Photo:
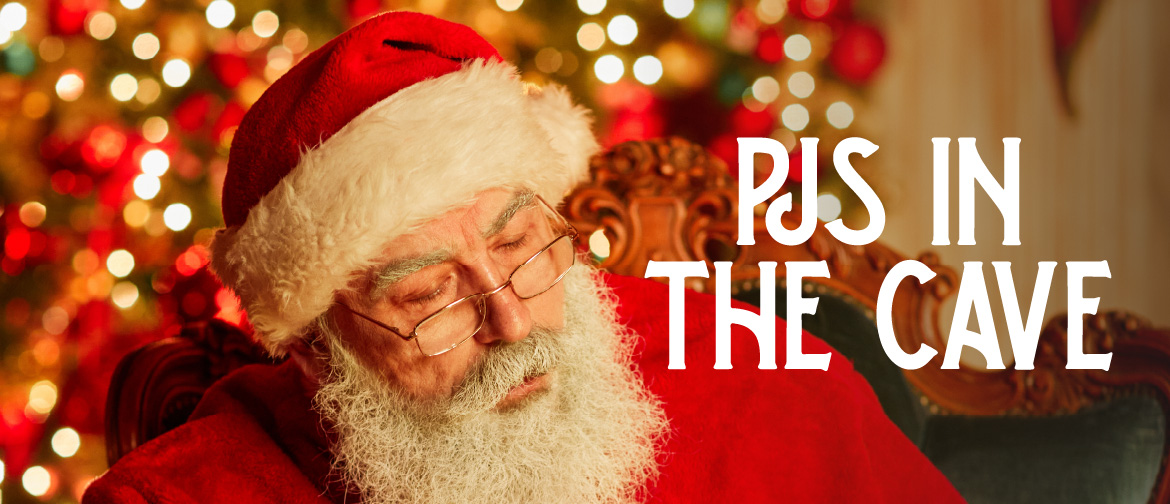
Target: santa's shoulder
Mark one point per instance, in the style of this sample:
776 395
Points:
227 452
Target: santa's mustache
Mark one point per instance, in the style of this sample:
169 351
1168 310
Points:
500 369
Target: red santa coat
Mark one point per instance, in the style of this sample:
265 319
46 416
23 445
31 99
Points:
738 435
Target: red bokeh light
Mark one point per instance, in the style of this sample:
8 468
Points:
16 244
771 46
103 147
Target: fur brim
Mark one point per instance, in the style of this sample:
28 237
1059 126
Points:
412 157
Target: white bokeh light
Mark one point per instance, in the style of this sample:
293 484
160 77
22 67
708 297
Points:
13 16
147 186
828 207
591 36
177 217
794 117
599 244
124 294
176 72
840 115
265 23
155 162
771 11
509 5
66 442
70 86
647 70
591 6
801 84
145 46
797 47
36 481
43 394
609 69
120 263
101 25
155 129
766 89
678 9
123 87
220 13
622 30
133 4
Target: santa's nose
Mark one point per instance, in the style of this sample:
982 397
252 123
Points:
507 318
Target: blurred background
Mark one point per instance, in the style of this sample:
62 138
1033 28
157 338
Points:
116 117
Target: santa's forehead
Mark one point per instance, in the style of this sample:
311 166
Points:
485 216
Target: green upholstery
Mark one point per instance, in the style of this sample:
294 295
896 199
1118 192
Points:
1109 453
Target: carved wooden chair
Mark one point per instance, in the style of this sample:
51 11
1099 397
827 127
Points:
1045 435
155 388
1008 436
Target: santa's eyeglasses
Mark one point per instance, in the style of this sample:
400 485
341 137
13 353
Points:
459 320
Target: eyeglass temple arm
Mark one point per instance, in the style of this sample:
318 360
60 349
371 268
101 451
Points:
379 324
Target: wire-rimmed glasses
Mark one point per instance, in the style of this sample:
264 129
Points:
459 320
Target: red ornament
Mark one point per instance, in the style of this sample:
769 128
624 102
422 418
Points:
191 261
192 113
36 243
745 122
857 53
817 9
100 240
103 148
635 126
821 9
230 69
16 244
18 436
63 181
795 167
230 118
67 17
771 47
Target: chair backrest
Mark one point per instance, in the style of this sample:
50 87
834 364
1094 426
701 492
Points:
156 387
669 199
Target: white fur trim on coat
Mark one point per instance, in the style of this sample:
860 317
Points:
409 158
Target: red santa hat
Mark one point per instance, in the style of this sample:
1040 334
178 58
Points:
390 124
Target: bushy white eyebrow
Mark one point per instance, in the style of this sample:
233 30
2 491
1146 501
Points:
398 270
519 201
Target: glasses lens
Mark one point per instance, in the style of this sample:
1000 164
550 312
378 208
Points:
544 270
450 327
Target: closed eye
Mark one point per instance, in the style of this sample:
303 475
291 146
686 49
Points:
515 244
428 298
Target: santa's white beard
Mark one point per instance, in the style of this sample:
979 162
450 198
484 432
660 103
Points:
593 438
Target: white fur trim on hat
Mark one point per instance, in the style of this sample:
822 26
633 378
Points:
411 157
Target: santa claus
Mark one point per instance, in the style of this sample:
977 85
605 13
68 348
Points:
391 227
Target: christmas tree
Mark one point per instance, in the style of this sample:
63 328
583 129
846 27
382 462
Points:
117 117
